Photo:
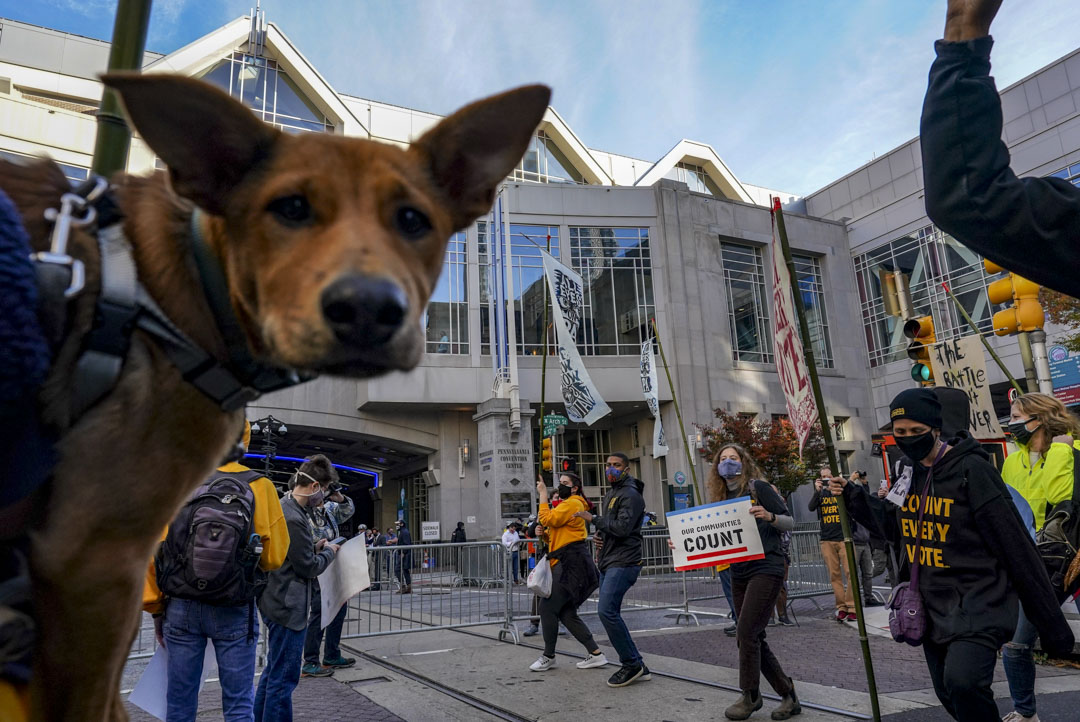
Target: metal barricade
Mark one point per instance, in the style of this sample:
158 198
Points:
808 577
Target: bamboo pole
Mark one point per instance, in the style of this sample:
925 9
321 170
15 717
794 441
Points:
678 414
830 451
986 344
543 369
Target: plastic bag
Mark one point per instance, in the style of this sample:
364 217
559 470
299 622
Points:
540 578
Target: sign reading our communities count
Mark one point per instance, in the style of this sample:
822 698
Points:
721 533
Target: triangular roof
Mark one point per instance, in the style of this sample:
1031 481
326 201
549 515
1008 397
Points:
576 151
699 154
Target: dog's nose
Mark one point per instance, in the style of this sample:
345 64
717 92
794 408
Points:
362 309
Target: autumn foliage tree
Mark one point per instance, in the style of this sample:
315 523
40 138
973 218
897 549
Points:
1065 311
772 444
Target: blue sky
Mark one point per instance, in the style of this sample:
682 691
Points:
791 94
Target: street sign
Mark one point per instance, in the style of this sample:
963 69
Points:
680 478
556 420
429 531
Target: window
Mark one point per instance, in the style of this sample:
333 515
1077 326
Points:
545 163
840 424
590 448
416 490
447 316
1071 174
616 271
515 506
902 280
695 177
527 243
808 272
748 310
635 437
74 173
268 91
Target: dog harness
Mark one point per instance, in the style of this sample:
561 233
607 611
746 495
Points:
124 305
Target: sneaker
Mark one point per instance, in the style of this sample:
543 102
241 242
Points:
732 630
1015 716
841 615
785 622
628 675
873 603
542 664
772 622
339 662
852 617
593 660
531 631
646 675
314 670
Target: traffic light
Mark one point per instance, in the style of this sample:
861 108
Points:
1025 313
546 454
568 465
921 332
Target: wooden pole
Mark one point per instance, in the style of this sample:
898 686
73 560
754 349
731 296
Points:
543 368
678 414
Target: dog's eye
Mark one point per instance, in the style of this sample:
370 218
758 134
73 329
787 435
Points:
291 210
411 223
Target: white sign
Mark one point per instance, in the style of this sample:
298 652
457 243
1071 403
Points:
470 520
790 361
960 364
721 533
652 400
151 689
429 531
346 577
582 400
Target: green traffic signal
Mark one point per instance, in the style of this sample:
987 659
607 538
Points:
921 373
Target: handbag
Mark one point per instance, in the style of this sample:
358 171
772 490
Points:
907 617
1059 538
539 582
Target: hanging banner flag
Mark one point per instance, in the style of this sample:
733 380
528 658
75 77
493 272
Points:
790 361
583 402
649 388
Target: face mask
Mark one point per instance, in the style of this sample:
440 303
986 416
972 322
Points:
729 468
313 499
918 447
613 474
1021 433
565 491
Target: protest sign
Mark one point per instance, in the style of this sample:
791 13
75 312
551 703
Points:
346 577
960 364
721 533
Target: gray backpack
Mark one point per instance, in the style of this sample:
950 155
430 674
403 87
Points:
211 552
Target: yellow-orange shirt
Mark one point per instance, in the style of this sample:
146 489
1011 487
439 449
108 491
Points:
562 526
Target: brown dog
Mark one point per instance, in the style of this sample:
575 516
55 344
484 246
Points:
330 246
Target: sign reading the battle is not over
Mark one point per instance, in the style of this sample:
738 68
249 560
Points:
721 533
960 364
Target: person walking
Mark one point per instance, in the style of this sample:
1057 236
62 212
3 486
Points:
573 573
285 602
976 559
1041 471
618 533
832 547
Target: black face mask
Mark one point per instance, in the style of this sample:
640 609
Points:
565 491
1021 433
918 447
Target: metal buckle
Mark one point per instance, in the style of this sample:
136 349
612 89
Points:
75 212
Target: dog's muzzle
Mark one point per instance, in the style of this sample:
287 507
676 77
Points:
364 310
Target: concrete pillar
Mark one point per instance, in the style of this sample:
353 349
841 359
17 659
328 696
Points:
507 471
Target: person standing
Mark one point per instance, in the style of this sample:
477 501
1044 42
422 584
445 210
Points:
378 541
458 535
573 573
862 538
285 602
619 559
511 539
403 557
832 547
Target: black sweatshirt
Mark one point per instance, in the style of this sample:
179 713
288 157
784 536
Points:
619 525
1027 225
977 558
773 563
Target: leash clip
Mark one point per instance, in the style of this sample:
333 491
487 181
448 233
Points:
75 211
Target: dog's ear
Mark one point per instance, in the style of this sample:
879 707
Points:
208 140
470 152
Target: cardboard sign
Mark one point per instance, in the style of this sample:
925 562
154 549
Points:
960 364
346 577
721 533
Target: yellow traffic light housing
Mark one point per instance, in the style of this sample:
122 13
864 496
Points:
921 332
1025 313
547 459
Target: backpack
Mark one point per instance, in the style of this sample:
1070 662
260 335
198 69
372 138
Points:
1059 537
211 551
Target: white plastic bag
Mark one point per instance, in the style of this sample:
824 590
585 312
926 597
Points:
540 578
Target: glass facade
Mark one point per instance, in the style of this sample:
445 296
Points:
543 162
590 448
748 306
695 177
1071 174
909 272
527 244
268 91
616 271
812 289
446 321
75 173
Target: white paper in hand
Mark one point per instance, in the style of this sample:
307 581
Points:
899 491
151 691
346 577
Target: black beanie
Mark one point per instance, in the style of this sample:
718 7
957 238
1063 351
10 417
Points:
918 405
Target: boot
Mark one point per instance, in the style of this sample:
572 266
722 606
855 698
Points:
748 704
789 704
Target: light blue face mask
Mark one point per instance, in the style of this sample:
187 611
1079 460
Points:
729 468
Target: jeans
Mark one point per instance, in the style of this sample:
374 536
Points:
515 564
615 582
756 597
725 584
1020 667
188 624
864 560
962 672
314 636
559 607
284 652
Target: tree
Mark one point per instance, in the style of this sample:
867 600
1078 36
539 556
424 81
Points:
773 446
1064 311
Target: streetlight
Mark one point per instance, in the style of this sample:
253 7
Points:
268 427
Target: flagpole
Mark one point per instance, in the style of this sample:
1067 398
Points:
543 364
678 414
830 451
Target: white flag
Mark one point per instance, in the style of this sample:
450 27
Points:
583 402
648 387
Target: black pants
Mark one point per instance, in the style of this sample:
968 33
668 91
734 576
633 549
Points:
755 599
559 607
962 672
314 636
404 569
